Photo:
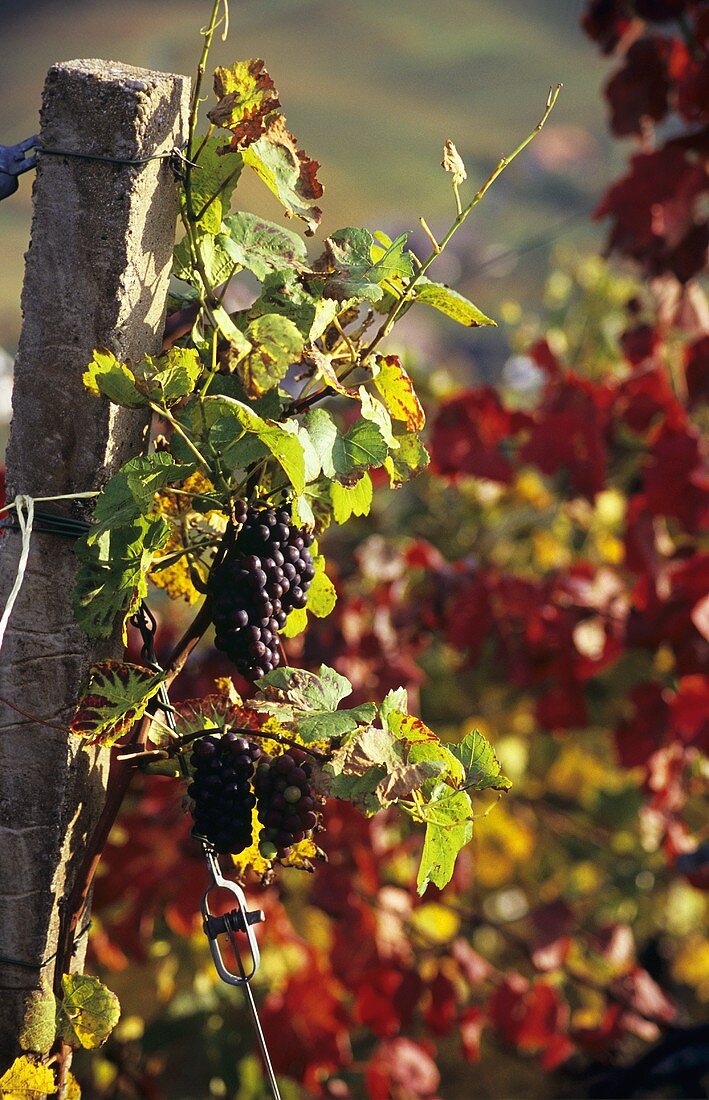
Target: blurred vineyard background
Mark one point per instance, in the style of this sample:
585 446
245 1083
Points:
546 582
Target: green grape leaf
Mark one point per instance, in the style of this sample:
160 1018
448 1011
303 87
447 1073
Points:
87 1011
282 292
377 413
288 172
322 595
362 446
410 459
276 344
348 500
261 246
112 573
295 623
213 182
218 264
117 695
481 766
107 376
449 827
116 554
398 392
308 704
39 1025
354 273
170 377
228 419
27 1080
128 496
247 98
323 433
451 303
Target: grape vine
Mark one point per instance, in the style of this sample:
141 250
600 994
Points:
268 420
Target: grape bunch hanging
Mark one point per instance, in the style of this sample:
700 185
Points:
265 573
221 790
285 802
225 767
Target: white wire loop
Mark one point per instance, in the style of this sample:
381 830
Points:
24 506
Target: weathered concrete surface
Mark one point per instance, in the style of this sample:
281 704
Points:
96 275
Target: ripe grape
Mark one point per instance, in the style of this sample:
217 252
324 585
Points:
221 790
285 802
265 573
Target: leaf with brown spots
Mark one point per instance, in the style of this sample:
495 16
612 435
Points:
247 99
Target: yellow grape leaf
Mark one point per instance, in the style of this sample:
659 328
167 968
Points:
175 504
175 579
397 390
295 623
300 858
87 1012
27 1080
247 98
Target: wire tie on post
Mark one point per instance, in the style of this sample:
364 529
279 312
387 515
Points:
22 502
7 961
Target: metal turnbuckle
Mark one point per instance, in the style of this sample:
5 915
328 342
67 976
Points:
239 919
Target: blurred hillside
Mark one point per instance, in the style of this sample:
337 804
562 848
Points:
371 90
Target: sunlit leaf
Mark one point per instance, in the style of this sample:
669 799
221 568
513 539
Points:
87 1012
449 828
377 413
408 461
308 704
398 392
450 302
276 344
482 768
349 500
27 1080
261 246
288 172
117 696
354 273
247 98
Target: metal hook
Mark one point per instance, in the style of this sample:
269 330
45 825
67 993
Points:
239 919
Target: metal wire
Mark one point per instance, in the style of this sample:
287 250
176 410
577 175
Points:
7 961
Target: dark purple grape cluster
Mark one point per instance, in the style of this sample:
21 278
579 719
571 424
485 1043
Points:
265 573
221 790
285 802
